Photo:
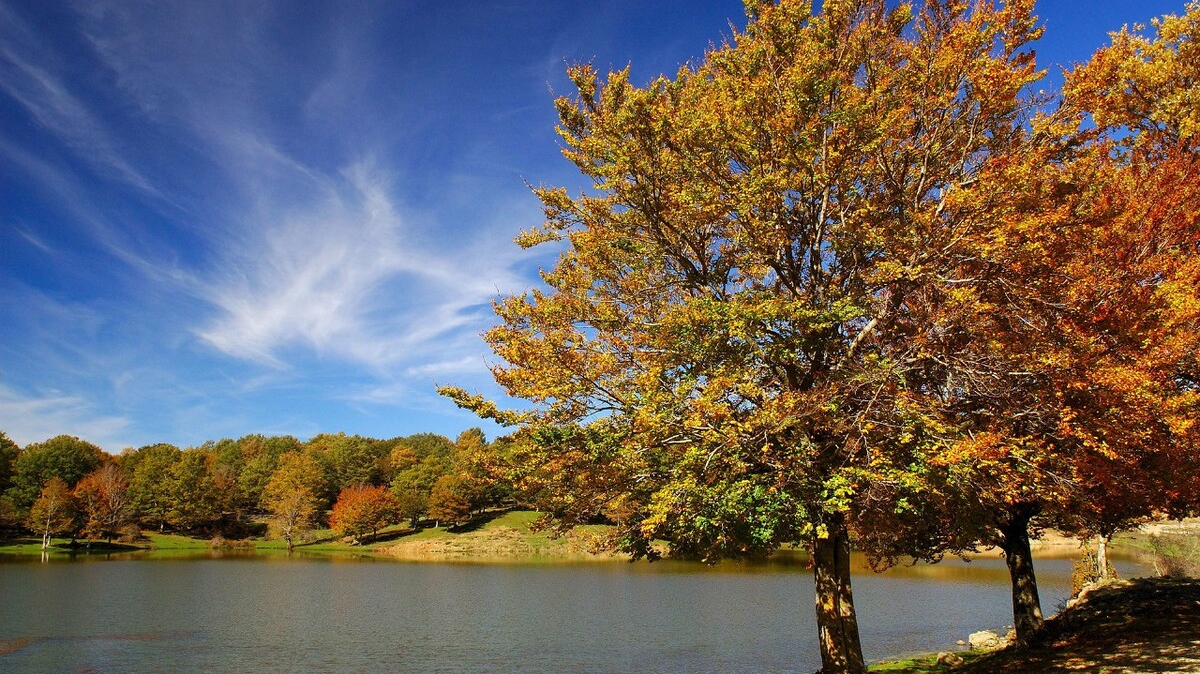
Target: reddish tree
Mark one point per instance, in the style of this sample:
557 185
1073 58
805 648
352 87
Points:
362 509
105 499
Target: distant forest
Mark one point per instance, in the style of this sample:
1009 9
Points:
69 487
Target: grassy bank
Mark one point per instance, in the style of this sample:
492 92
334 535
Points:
501 538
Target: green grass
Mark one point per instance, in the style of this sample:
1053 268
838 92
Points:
27 546
59 547
923 664
175 542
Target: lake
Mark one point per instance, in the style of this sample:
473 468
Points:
278 614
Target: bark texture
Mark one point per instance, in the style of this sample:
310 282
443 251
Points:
837 625
1027 607
1102 556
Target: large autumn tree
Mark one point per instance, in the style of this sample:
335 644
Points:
1066 357
192 499
724 342
150 468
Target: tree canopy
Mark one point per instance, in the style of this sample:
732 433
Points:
729 337
849 276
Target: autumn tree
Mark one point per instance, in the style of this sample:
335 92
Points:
1066 354
9 517
261 457
105 500
726 336
482 464
454 498
418 462
292 496
348 459
400 457
361 510
53 511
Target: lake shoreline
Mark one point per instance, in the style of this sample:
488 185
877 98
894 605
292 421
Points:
1136 626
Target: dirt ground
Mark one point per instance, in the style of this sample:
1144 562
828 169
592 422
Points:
1141 626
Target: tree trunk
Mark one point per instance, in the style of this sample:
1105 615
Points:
1027 608
837 626
1102 557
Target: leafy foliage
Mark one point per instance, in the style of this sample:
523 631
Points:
105 500
730 343
8 456
361 510
149 468
192 499
65 457
54 511
292 496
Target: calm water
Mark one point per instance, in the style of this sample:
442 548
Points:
275 614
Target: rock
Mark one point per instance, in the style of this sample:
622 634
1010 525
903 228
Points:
960 642
948 659
983 640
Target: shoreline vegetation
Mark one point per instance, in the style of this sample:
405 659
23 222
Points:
513 536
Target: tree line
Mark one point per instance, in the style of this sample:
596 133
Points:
66 486
857 277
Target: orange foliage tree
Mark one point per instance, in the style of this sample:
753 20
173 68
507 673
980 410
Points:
106 500
362 509
1066 353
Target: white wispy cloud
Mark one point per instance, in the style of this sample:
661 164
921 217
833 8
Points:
346 277
50 102
307 259
36 417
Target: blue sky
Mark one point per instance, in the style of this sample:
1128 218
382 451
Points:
287 217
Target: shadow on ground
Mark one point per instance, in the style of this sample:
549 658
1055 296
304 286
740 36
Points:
1147 625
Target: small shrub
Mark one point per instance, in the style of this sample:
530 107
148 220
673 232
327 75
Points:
130 533
220 542
1087 571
